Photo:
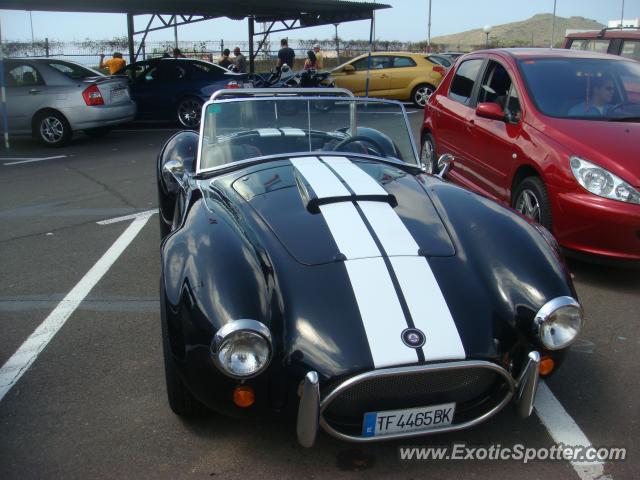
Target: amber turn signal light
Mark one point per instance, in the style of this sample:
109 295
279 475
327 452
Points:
546 366
244 397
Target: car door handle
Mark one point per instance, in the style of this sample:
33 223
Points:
383 76
34 91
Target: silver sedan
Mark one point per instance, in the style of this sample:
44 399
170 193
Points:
52 98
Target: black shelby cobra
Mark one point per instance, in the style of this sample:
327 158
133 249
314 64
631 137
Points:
310 266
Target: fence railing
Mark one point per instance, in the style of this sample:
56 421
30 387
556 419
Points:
88 52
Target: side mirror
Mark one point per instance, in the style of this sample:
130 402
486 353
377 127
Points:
349 69
173 176
444 165
490 110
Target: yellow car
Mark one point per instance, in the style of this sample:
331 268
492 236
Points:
394 75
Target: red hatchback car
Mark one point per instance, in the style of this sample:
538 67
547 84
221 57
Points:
555 134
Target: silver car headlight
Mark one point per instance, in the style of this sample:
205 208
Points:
602 182
559 322
242 348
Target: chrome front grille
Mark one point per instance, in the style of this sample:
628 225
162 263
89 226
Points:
478 388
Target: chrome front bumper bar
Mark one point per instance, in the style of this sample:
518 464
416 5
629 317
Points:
523 391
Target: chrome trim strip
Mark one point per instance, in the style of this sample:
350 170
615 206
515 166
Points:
324 403
528 385
308 410
272 92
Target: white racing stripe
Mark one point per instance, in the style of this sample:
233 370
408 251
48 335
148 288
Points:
349 231
269 132
358 180
324 183
24 357
393 235
383 319
293 132
428 308
381 312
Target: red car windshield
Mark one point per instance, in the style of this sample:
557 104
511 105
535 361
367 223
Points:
583 88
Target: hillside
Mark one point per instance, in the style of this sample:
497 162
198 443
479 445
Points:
535 31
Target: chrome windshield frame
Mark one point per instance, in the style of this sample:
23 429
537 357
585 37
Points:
297 94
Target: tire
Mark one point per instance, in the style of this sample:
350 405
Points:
428 156
530 198
421 94
98 132
52 129
188 112
181 400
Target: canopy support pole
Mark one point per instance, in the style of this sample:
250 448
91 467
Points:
251 54
130 32
366 87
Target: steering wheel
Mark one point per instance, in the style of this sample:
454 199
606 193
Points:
359 138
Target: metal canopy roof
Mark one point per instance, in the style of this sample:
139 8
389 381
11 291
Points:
310 12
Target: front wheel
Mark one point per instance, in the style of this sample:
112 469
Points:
52 129
181 400
189 111
530 198
428 153
421 94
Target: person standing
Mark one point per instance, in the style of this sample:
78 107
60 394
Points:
114 64
285 54
240 61
225 61
311 63
319 57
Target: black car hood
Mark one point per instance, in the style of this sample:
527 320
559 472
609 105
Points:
279 195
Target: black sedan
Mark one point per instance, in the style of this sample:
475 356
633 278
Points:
174 89
311 267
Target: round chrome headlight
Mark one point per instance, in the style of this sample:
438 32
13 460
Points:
242 348
559 322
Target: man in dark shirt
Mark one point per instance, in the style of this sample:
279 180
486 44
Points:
240 61
285 54
225 61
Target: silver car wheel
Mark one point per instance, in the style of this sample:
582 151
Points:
51 130
528 205
427 155
421 95
189 111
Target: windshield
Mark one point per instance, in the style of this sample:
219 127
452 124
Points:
584 88
73 70
239 129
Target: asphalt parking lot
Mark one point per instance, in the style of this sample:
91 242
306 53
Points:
92 403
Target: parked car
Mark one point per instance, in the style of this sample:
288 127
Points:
174 89
394 75
615 41
51 99
553 133
443 60
309 266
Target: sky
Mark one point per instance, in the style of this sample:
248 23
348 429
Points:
406 21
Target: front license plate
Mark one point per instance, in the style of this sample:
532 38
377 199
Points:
410 420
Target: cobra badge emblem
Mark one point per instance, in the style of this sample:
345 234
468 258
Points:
414 338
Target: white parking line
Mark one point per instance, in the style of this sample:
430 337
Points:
24 357
133 216
563 429
30 160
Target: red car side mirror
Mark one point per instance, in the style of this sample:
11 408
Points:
490 110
